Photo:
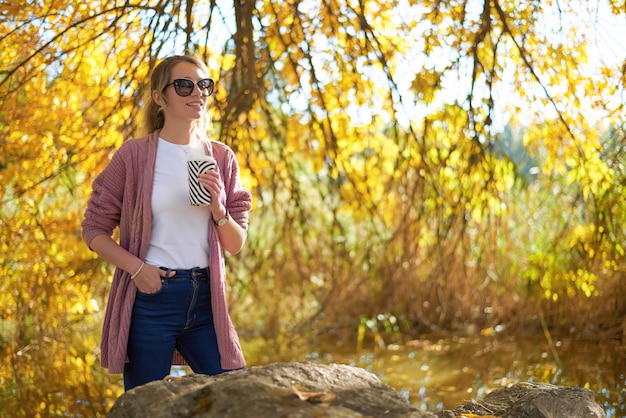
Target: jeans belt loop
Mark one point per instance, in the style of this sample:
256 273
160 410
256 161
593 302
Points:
166 279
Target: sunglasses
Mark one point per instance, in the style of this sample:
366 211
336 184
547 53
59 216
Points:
184 87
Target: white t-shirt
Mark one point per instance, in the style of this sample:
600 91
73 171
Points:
180 231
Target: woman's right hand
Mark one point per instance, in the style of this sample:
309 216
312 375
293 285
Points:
149 279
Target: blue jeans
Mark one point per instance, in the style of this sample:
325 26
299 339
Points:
177 316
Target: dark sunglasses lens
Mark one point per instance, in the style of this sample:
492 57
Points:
183 87
206 86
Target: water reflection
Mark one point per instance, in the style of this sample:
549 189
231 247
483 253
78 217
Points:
442 373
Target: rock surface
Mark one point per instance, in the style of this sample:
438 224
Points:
293 390
287 390
532 400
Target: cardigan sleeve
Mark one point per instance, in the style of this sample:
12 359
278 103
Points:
238 198
104 207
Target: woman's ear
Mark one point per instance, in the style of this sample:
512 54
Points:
158 98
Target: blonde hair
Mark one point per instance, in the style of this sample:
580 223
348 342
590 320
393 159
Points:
160 77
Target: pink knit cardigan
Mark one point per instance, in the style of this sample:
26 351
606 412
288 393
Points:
121 196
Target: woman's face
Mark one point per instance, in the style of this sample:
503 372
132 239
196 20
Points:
186 108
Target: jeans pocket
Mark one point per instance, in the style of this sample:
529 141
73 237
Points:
158 292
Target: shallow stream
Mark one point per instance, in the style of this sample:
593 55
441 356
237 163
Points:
442 373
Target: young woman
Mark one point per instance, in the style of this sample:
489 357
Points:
167 302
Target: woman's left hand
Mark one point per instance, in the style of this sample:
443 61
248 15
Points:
212 181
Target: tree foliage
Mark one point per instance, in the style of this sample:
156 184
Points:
451 162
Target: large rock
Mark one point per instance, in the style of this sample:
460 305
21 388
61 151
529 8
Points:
288 390
532 400
293 390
